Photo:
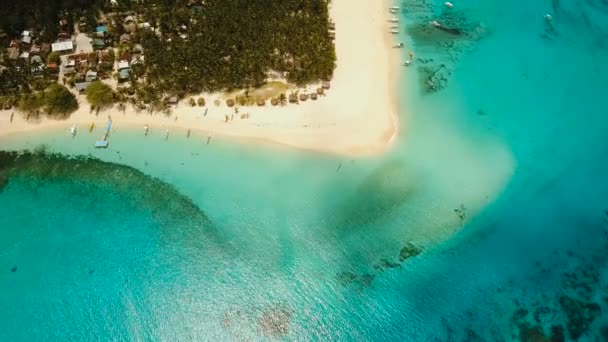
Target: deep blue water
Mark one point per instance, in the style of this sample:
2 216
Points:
234 242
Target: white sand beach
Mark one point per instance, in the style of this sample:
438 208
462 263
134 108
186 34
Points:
356 116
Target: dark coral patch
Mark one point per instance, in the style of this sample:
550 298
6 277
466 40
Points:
408 251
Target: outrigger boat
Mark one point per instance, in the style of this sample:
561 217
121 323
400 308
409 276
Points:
393 20
394 31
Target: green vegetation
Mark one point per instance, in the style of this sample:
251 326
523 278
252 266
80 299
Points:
31 103
56 100
53 57
59 102
234 44
99 95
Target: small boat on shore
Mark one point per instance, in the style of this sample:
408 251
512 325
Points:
394 20
394 31
166 134
146 130
407 63
73 130
393 27
393 8
398 46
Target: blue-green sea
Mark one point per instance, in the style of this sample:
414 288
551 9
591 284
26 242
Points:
487 220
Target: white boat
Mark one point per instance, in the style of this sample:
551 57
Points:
398 46
449 4
394 31
435 23
394 20
392 11
167 134
73 130
393 8
407 63
146 130
548 17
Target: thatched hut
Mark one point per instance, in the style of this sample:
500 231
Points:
261 102
274 102
320 91
313 96
230 103
326 85
303 97
293 98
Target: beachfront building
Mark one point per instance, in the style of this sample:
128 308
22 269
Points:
81 86
123 70
63 47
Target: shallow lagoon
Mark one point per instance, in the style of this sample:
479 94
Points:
303 246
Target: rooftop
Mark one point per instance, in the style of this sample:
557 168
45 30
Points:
62 46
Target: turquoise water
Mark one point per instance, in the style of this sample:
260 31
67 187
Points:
180 240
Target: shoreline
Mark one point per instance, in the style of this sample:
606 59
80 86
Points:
335 124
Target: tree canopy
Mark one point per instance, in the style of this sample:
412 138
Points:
99 95
31 103
59 102
230 44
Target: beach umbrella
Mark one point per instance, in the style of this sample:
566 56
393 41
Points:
274 102
230 103
320 91
303 97
261 102
313 96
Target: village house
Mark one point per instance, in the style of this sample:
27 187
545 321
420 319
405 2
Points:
13 53
37 65
26 38
81 86
123 70
69 67
90 76
35 50
63 47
